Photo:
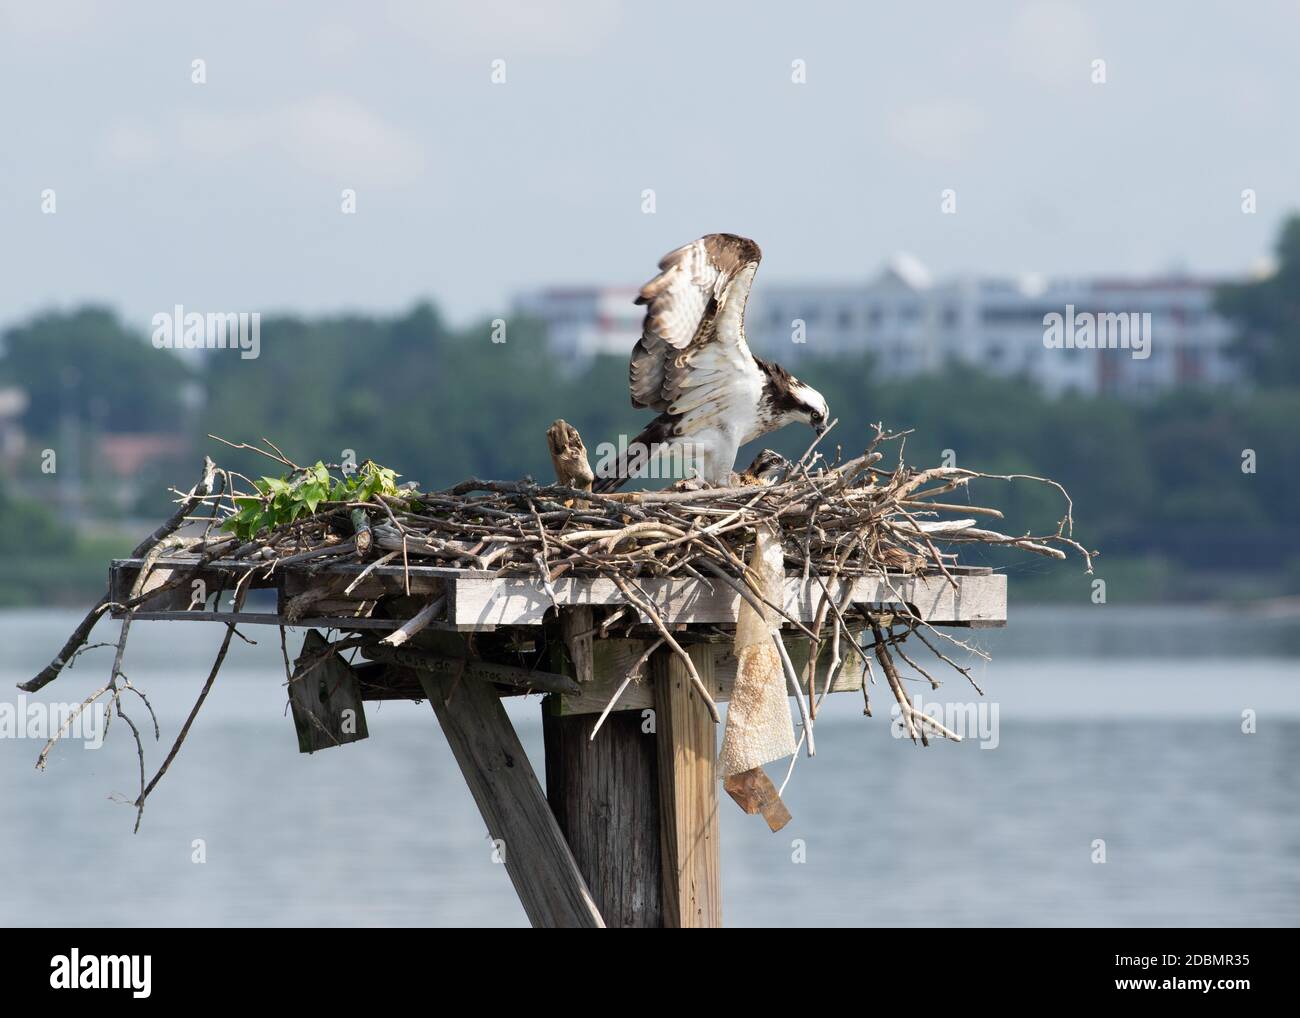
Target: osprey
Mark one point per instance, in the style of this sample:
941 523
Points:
693 365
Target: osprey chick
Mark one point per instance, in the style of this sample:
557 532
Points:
693 365
764 469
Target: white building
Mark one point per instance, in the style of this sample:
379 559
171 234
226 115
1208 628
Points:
910 324
583 322
1189 341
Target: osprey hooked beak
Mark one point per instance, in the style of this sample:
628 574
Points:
811 406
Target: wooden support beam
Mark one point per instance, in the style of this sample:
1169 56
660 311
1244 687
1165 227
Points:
520 679
379 681
688 793
603 793
576 627
537 858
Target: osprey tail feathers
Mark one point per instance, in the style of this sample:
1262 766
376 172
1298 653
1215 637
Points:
634 458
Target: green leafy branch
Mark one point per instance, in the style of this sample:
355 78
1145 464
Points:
282 500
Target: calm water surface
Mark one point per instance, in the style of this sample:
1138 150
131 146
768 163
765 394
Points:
1124 727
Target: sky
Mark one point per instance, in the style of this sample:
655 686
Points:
227 195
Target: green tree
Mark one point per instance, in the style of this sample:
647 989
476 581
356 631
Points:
86 363
1266 314
28 528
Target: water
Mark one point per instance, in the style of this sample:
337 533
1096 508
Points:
1124 727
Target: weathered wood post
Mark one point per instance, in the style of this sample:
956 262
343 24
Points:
535 853
604 794
688 793
639 803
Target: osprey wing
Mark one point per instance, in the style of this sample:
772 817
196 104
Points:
692 349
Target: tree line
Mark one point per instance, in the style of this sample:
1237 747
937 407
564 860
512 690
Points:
1196 479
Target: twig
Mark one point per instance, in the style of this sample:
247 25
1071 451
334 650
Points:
414 624
189 721
648 609
792 680
633 673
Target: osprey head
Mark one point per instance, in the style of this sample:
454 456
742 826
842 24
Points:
809 406
767 466
786 400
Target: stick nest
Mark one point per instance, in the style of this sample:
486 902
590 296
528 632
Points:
837 519
845 518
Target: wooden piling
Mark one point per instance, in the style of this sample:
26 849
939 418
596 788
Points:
604 794
536 854
688 793
639 803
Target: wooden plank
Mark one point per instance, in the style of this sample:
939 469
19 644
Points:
688 794
576 628
326 701
342 567
123 572
380 581
521 601
754 792
537 858
480 601
266 619
613 658
604 794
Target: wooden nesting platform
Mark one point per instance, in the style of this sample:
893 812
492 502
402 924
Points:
482 602
626 831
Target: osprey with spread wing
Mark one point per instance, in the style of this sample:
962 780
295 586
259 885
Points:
693 365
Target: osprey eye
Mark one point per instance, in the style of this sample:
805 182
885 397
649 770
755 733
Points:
816 417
